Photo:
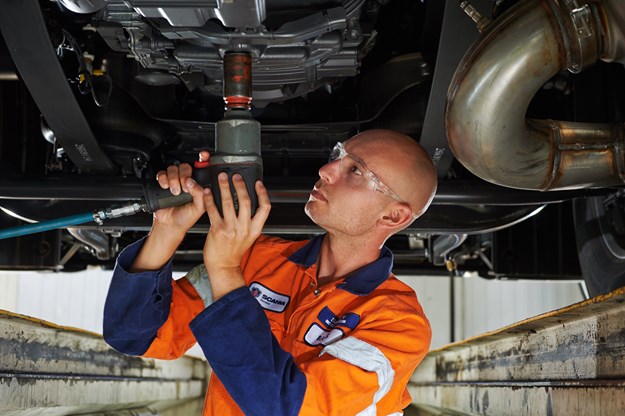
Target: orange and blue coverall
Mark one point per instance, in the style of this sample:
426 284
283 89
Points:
282 345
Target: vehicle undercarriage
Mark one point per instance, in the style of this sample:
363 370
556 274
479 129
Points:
97 96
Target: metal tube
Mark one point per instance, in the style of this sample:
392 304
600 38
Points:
281 190
7 69
443 244
96 239
492 89
612 16
8 76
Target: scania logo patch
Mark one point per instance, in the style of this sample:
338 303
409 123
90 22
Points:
268 299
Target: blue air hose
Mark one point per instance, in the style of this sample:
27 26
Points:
46 225
97 216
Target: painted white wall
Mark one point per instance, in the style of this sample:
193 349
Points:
433 295
68 299
8 291
77 299
485 305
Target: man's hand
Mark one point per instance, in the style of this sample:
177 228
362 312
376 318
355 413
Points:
171 224
232 235
178 220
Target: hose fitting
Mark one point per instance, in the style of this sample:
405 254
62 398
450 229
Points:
117 211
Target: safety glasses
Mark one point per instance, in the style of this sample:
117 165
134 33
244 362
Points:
354 171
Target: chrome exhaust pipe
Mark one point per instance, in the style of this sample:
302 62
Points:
497 78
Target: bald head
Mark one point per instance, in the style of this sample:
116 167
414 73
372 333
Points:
400 162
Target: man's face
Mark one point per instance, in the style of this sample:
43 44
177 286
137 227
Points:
341 200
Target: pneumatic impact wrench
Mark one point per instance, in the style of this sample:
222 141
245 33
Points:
237 143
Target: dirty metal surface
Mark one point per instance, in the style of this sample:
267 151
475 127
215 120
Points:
518 399
569 361
53 370
425 410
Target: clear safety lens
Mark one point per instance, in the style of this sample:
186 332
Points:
355 172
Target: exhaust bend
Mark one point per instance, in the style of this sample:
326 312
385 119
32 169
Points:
497 78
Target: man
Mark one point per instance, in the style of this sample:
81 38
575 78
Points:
318 327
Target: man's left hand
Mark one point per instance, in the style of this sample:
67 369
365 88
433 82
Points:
232 235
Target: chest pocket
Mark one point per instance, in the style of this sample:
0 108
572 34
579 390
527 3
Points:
329 327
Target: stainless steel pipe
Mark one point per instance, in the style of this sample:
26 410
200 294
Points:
496 80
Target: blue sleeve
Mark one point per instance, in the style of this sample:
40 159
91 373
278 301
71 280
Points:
237 341
137 304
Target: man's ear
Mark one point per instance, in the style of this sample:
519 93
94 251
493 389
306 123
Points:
399 215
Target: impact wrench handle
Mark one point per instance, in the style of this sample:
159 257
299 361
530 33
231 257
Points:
155 197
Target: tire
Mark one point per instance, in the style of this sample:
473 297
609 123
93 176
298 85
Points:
600 239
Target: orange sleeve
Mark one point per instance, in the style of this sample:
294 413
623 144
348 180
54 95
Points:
174 337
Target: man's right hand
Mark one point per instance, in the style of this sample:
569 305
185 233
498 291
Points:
171 224
178 220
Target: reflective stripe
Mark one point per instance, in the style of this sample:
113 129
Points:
369 358
198 277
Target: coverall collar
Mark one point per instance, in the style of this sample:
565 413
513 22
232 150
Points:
363 281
